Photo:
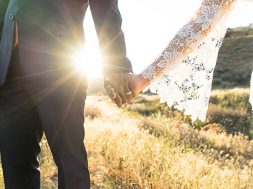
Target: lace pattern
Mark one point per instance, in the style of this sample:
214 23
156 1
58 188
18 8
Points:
182 75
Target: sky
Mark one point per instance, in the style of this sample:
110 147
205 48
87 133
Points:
149 25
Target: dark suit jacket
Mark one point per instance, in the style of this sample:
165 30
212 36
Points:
3 7
49 31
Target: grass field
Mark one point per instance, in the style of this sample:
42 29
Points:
146 145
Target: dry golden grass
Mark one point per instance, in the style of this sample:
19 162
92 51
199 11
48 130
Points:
235 99
154 151
92 112
157 152
222 92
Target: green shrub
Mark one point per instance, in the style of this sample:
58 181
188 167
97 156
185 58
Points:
232 121
236 99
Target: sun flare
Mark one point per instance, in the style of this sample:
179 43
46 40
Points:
88 61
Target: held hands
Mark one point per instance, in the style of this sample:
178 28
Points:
122 87
119 87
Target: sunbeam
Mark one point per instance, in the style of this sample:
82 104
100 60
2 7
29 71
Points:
88 61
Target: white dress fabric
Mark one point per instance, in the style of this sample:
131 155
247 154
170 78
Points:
182 75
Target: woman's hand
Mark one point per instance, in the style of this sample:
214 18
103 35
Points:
138 83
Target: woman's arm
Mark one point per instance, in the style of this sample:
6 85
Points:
186 40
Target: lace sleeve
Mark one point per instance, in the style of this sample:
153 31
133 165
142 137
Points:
182 74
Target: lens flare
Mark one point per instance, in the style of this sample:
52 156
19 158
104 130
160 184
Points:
88 61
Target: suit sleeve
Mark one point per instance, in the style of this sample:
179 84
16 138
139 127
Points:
3 7
107 20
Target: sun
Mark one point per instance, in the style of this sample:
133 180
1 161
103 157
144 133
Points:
88 61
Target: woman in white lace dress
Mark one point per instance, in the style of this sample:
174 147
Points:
182 74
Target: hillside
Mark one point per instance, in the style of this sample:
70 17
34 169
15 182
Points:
235 60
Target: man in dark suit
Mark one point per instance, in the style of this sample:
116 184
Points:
40 90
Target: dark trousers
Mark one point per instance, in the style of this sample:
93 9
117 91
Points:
20 133
23 118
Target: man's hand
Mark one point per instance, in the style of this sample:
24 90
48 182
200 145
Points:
120 87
